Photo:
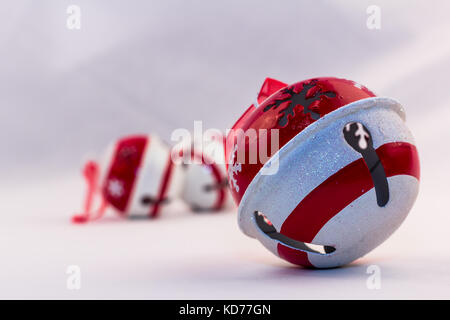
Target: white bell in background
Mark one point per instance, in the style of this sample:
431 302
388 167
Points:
205 186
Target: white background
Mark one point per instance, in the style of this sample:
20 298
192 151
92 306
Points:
153 66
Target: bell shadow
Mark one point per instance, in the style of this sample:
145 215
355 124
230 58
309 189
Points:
291 271
286 272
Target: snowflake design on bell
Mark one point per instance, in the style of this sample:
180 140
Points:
234 169
291 97
115 188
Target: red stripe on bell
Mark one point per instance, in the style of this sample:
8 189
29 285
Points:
218 177
120 180
163 187
340 190
220 191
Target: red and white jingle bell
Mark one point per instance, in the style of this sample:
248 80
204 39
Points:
136 177
205 184
343 180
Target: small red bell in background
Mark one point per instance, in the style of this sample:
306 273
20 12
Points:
135 177
343 179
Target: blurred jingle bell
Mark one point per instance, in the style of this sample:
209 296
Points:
205 184
136 178
343 179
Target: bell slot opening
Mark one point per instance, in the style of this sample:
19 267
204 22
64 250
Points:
264 224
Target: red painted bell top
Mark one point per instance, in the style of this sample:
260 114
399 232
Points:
289 108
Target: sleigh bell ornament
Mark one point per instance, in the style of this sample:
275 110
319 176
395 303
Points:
136 178
205 184
347 171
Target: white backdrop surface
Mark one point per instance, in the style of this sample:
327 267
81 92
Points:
153 66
